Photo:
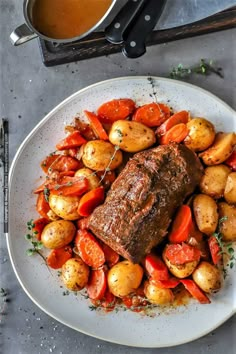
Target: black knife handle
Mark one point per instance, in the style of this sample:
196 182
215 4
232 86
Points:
134 45
114 33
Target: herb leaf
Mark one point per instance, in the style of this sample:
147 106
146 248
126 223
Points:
203 68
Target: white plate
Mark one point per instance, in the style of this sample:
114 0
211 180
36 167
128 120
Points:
167 328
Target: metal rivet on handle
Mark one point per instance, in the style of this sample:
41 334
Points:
147 18
132 44
117 25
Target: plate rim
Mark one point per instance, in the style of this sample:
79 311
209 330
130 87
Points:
11 172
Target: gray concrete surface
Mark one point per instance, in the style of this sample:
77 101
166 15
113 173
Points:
28 91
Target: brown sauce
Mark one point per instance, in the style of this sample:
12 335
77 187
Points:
63 19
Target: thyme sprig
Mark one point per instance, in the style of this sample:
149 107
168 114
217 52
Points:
226 249
203 68
107 169
36 245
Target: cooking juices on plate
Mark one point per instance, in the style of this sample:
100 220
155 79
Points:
62 19
134 234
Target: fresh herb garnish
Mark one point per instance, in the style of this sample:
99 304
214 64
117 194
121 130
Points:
203 68
36 245
46 193
226 249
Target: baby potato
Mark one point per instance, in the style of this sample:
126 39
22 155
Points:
230 188
180 270
201 134
75 274
131 136
52 216
93 180
205 212
220 150
157 295
228 226
124 277
58 234
98 154
214 180
207 277
65 206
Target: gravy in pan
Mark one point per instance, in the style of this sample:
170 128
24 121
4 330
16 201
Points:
63 19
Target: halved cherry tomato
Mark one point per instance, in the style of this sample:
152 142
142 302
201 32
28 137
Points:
215 250
231 161
83 223
72 141
97 284
90 201
177 118
155 267
195 291
39 225
152 114
176 134
89 249
166 284
42 206
59 256
116 109
182 253
69 186
110 255
96 125
182 225
47 162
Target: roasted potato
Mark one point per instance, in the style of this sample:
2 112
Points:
58 234
180 270
98 154
124 277
157 295
230 188
205 212
131 136
52 216
75 274
220 150
207 277
201 134
93 180
228 226
65 206
214 180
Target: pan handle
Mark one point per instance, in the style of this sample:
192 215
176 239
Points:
21 35
134 45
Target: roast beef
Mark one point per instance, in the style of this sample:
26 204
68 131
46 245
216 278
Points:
143 199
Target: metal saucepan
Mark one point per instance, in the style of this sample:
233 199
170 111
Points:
27 31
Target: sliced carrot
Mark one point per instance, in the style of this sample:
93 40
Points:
116 109
96 125
110 255
39 225
195 291
73 152
166 284
90 201
40 189
152 114
84 129
215 250
176 134
65 163
83 223
89 249
72 141
97 284
42 206
182 225
231 161
69 186
59 256
47 162
155 267
177 118
182 253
